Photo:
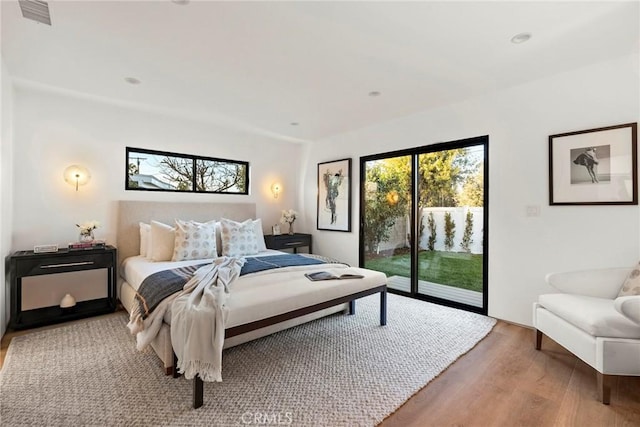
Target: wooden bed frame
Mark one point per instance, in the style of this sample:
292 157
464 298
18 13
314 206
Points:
130 213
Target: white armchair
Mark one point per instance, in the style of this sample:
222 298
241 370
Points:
589 319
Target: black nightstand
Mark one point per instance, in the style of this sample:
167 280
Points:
27 263
288 241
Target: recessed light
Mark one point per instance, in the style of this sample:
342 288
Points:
294 123
520 38
180 2
132 80
374 93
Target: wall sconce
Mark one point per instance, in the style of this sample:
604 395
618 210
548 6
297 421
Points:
275 189
76 175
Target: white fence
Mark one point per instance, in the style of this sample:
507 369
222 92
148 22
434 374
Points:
398 238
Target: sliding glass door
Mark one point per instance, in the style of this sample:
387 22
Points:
424 221
451 214
386 225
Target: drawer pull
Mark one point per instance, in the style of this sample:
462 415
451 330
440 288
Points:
68 264
293 243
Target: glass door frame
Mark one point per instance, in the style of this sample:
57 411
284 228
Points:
414 232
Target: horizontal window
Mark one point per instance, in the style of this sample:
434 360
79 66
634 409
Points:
150 170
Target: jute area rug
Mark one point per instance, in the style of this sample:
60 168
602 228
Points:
338 371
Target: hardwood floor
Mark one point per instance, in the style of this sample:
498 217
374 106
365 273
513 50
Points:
504 381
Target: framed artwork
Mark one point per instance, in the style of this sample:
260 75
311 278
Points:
594 167
334 195
275 229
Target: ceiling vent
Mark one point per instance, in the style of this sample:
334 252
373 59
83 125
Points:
36 10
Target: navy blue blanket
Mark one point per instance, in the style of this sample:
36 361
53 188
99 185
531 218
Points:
256 264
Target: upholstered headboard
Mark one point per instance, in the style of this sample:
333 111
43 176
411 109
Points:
131 213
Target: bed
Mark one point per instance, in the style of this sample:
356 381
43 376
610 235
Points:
259 304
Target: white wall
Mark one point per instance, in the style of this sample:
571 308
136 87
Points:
6 156
518 121
53 131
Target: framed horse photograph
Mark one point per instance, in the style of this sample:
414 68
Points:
334 195
594 166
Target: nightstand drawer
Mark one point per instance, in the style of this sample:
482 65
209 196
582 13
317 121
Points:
56 264
291 241
288 241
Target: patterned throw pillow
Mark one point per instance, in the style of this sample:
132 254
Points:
631 285
238 238
259 236
194 240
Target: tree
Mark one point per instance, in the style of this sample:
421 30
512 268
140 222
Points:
431 223
209 175
472 193
440 174
133 170
468 231
449 231
385 202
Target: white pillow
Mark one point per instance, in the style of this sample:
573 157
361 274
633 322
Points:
163 238
145 230
194 240
260 235
238 238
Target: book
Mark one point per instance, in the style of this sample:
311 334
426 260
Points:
325 275
79 246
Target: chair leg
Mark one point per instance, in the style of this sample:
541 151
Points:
538 339
604 388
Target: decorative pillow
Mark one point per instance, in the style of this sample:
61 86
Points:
238 238
259 235
194 240
631 285
145 229
163 238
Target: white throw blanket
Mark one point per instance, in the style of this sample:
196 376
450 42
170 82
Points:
198 318
147 329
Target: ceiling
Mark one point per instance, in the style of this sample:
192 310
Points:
261 66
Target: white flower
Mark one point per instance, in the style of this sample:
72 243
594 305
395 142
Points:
288 216
87 227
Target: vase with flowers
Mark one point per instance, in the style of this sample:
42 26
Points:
86 230
289 217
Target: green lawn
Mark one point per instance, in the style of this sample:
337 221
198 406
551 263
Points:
461 270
